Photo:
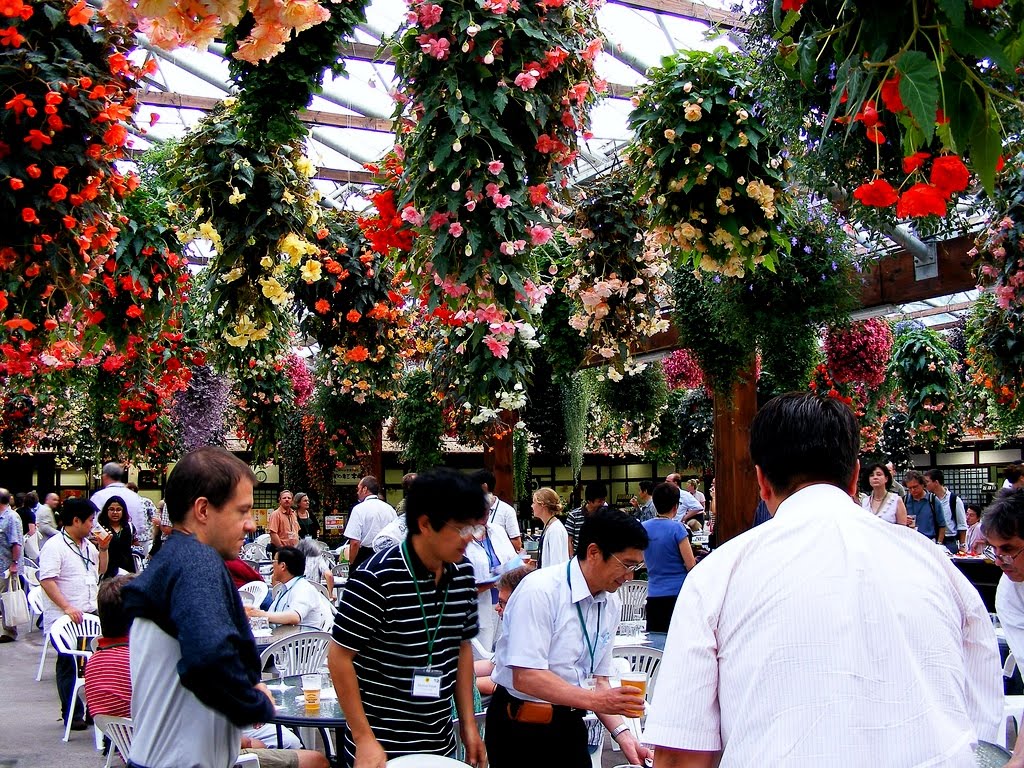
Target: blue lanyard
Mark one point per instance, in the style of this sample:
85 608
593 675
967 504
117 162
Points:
591 646
86 560
283 595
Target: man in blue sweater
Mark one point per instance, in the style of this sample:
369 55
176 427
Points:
195 669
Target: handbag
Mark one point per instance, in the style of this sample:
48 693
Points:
14 603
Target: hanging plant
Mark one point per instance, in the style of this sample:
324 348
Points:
200 410
723 320
520 465
493 97
682 371
65 96
704 160
686 431
860 351
616 283
638 398
543 413
575 406
418 422
926 91
925 366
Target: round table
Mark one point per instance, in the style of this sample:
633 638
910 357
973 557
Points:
290 710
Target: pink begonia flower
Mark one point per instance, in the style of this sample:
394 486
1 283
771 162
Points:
433 46
579 92
429 15
498 347
471 205
490 313
502 329
496 6
438 220
600 86
507 248
495 167
539 234
411 216
491 189
526 81
501 201
593 48
455 229
411 17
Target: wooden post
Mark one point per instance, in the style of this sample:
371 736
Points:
376 457
735 483
498 457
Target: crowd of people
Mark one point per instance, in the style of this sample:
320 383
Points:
809 659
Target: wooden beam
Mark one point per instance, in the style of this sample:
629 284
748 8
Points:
735 482
948 309
684 9
346 177
377 54
891 280
313 117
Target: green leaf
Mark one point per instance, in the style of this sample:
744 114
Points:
986 147
919 89
55 17
789 21
972 41
962 105
954 10
807 52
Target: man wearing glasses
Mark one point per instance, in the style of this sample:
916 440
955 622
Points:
829 638
554 655
402 635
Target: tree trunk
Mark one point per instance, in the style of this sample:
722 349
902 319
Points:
498 457
736 493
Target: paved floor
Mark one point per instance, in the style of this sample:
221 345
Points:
30 725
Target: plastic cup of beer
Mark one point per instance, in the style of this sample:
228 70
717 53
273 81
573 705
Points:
636 680
311 691
912 521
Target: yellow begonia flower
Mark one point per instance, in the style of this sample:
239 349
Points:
236 197
288 197
274 291
312 271
294 247
305 166
267 263
234 274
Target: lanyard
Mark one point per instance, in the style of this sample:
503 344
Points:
494 509
591 647
283 595
85 558
423 608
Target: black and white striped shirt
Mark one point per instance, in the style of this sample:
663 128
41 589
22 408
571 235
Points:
380 618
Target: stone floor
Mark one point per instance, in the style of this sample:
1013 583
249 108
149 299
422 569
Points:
30 725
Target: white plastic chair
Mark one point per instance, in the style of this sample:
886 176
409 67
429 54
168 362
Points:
257 590
298 654
634 600
641 659
424 761
595 738
31 575
66 635
248 760
119 730
35 609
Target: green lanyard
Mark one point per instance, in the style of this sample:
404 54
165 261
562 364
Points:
591 647
423 608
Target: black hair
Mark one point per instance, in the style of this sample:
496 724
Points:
870 470
5 496
936 475
77 508
1013 473
976 507
484 477
443 495
666 496
647 486
1005 516
104 517
595 490
293 559
612 531
115 621
802 437
209 472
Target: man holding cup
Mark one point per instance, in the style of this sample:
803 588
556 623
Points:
554 657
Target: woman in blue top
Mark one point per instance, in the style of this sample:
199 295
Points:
669 557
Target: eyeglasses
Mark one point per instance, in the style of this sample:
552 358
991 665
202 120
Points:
991 554
468 531
633 568
502 603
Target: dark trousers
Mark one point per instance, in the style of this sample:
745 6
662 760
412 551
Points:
66 671
562 742
362 555
659 612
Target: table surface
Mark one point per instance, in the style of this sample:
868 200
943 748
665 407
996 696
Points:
291 709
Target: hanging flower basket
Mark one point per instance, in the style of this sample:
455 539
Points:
859 352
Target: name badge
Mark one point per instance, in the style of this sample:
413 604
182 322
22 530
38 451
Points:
426 683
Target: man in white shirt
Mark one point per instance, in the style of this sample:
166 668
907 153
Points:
830 637
498 511
554 655
693 489
113 485
491 554
366 520
69 570
1003 526
952 506
298 601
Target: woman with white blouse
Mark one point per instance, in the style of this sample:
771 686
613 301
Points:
882 502
554 540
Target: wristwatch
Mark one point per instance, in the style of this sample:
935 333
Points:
618 731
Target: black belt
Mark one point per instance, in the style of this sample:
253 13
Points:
560 710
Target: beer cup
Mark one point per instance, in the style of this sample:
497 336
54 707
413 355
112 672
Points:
636 680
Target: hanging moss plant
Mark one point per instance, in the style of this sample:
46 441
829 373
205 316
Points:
575 405
419 422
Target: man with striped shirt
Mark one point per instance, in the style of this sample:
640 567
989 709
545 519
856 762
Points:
403 630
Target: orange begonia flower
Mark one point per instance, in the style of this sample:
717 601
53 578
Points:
20 322
353 316
10 36
80 14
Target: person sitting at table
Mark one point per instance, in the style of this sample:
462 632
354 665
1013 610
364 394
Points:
298 601
975 538
317 568
507 584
